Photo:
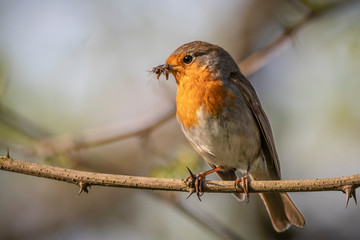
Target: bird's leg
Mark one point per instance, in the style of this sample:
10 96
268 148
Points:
199 179
244 183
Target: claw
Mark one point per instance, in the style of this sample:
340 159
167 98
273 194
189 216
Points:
244 184
197 180
194 183
199 185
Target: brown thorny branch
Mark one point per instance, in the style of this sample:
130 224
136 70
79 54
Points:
85 179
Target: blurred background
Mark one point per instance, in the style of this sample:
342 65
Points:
77 71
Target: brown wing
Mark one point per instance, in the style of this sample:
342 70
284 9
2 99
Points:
268 144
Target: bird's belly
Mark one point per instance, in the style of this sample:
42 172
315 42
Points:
224 142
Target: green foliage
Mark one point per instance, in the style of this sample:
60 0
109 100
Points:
62 160
14 135
177 167
317 5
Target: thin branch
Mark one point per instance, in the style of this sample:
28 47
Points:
21 124
260 58
52 148
135 133
85 179
200 217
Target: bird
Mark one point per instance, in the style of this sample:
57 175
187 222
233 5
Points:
221 116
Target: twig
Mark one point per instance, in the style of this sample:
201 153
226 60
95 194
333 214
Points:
85 179
51 149
200 217
260 58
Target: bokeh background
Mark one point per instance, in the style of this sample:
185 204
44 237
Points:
78 71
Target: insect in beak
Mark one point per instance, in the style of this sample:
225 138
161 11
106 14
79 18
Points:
162 69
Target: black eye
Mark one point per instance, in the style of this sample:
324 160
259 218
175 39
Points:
188 59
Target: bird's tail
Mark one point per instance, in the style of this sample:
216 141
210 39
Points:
282 211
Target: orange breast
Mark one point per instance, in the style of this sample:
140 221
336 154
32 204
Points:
195 90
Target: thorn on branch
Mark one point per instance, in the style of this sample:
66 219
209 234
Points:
350 191
190 182
192 190
7 152
192 177
195 183
83 188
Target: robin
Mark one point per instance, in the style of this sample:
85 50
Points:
221 116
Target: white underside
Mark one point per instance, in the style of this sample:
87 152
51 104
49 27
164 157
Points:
226 143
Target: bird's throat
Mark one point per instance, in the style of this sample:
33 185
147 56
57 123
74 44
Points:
192 95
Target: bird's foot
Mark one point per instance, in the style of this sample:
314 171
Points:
197 181
244 184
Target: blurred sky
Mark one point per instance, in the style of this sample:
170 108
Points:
74 51
73 66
